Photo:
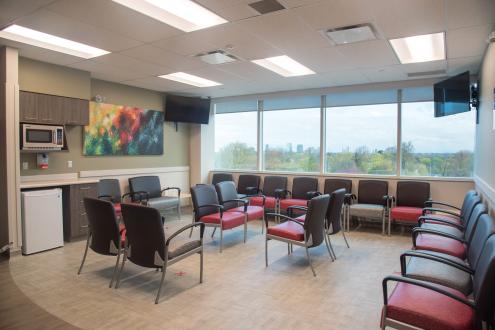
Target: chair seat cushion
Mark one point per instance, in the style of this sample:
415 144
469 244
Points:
118 208
164 202
270 202
253 212
285 203
184 248
441 244
444 229
367 210
427 309
229 220
301 218
436 272
406 213
287 230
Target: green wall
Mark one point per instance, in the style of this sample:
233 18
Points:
47 78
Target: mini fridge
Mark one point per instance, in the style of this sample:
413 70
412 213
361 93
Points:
42 220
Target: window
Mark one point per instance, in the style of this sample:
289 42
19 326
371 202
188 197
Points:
432 146
361 138
236 135
291 134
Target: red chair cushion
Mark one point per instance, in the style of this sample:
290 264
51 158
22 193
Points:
301 218
270 202
441 244
229 220
123 234
118 209
406 213
287 230
285 203
427 309
253 212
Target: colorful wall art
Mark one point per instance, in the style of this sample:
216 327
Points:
122 130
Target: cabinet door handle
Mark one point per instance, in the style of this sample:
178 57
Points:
84 213
86 226
85 188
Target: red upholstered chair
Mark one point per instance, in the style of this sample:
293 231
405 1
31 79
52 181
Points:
208 210
308 234
452 214
268 197
109 189
248 185
303 189
417 304
408 204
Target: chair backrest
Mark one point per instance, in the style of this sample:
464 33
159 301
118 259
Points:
334 211
314 223
484 229
220 177
372 192
483 283
145 236
150 184
412 193
468 208
247 180
334 184
202 195
103 225
301 185
110 187
273 182
465 203
479 210
226 192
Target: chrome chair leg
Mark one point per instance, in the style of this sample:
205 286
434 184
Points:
116 267
263 223
331 247
345 239
309 260
245 228
328 247
288 249
291 248
121 268
201 265
221 238
191 231
266 252
213 233
178 210
85 254
164 270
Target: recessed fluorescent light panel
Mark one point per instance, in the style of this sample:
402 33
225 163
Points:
185 15
189 79
350 34
284 66
48 41
422 48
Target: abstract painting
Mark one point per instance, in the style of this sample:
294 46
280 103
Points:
122 130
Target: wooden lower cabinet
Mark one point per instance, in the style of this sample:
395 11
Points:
75 220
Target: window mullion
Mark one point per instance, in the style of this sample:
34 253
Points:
399 133
260 160
322 134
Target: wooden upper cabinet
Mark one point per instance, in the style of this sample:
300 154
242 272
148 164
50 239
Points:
51 109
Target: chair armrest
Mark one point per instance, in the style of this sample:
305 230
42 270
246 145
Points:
426 285
430 203
426 218
140 195
296 207
171 188
107 197
348 198
418 230
429 256
385 200
312 194
286 218
218 206
201 233
252 191
238 200
281 193
434 209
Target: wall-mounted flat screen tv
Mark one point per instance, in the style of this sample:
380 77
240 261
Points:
452 95
187 109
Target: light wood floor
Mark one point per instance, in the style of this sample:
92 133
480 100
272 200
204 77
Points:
238 291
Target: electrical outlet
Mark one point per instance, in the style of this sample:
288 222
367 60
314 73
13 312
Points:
25 165
69 163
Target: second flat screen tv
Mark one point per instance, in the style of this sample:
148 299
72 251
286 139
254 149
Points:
452 95
187 109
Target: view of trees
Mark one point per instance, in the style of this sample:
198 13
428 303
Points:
362 160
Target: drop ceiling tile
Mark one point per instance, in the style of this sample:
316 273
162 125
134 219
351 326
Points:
322 59
158 84
125 63
40 54
462 13
424 66
248 71
216 74
113 17
298 3
230 10
100 69
186 44
385 74
14 9
467 42
376 53
340 78
459 65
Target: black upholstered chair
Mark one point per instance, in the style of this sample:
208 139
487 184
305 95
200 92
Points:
248 185
308 234
220 177
335 184
208 210
333 220
303 189
407 206
146 245
105 236
372 202
269 196
150 187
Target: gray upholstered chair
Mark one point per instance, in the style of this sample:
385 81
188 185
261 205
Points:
150 187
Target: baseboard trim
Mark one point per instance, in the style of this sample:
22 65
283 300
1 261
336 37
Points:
134 171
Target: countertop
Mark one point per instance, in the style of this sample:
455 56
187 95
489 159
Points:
55 183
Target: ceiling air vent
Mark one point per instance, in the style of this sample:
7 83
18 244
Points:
426 73
217 57
350 34
266 6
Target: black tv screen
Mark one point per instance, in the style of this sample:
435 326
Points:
452 95
187 109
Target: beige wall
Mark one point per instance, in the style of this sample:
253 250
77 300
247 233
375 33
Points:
46 78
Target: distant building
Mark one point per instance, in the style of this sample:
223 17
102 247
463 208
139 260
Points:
289 147
300 148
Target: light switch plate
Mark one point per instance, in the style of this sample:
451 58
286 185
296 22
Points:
25 165
69 163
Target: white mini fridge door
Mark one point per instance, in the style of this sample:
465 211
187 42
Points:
42 220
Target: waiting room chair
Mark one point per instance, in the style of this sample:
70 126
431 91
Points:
268 197
308 234
303 189
415 304
105 236
407 206
331 185
372 201
248 185
207 209
220 177
146 245
154 193
109 189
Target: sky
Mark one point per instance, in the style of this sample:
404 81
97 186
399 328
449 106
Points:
373 125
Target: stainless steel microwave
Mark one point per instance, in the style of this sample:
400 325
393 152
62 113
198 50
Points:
42 137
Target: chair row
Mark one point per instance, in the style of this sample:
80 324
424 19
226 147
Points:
372 201
447 279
